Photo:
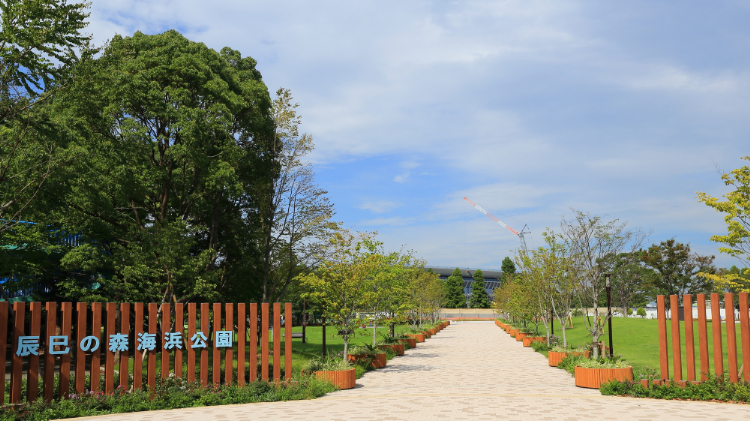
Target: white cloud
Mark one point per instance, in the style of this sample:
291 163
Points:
379 206
401 177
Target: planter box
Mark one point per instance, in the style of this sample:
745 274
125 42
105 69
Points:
529 339
433 331
427 334
397 348
376 361
513 332
418 336
343 379
556 358
594 377
411 341
520 336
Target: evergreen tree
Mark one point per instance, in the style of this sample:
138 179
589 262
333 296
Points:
479 298
455 288
508 268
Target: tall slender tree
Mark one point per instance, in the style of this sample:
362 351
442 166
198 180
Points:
455 290
479 297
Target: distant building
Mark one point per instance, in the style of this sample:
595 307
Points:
491 278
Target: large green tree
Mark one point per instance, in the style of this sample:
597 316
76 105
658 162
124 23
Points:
677 268
177 134
455 290
508 268
479 297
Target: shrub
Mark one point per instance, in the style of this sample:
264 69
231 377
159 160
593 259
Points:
630 311
713 389
328 363
641 312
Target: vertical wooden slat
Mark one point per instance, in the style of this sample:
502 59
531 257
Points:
716 330
216 377
190 349
663 352
241 349
124 355
179 327
264 342
3 346
109 356
674 304
166 319
137 355
288 341
204 351
731 337
745 335
96 330
80 384
153 319
16 367
228 353
687 304
253 342
49 358
32 375
66 329
703 336
276 341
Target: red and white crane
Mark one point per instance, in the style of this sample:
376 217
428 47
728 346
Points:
519 234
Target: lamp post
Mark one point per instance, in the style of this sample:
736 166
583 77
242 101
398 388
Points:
609 313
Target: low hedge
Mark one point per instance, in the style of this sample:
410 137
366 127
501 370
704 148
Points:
715 389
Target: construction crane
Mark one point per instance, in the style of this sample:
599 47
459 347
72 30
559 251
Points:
519 234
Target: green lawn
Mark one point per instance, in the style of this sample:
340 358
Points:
637 340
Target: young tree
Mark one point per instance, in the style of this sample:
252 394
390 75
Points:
677 268
631 279
455 290
508 268
591 240
737 218
479 297
344 280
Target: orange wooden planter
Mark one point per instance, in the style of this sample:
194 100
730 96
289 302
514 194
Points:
418 336
513 332
343 379
529 339
594 377
520 336
427 334
433 331
556 358
397 348
376 361
411 341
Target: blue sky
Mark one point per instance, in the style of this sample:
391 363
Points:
529 108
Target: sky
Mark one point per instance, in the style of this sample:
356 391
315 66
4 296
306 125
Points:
529 108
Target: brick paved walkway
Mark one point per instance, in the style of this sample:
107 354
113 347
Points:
469 371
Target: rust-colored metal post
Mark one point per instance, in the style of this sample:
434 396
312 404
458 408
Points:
674 304
3 346
138 355
67 327
19 310
264 342
745 334
153 320
190 349
166 321
716 331
80 384
205 315
687 305
179 327
216 378
49 358
703 336
32 375
241 348
731 337
96 331
109 356
125 330
288 341
253 342
228 353
663 351
276 342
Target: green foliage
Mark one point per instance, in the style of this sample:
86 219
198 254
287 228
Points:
455 290
327 363
715 389
170 393
641 312
479 297
677 268
508 268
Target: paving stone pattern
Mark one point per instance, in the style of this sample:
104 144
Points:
468 371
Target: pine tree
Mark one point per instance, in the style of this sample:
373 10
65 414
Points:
455 286
479 298
508 268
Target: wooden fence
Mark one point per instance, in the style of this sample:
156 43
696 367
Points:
703 340
96 335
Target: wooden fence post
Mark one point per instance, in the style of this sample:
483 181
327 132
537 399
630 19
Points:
674 304
66 330
276 342
16 367
663 352
32 374
731 337
166 320
3 346
745 335
124 355
109 356
96 331
137 355
716 331
179 327
253 342
216 377
228 353
153 319
288 341
241 348
703 336
205 314
190 350
264 342
49 358
80 383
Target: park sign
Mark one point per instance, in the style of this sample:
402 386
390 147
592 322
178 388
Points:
116 335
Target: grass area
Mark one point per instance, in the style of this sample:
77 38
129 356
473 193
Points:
637 340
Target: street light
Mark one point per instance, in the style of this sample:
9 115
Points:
609 313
